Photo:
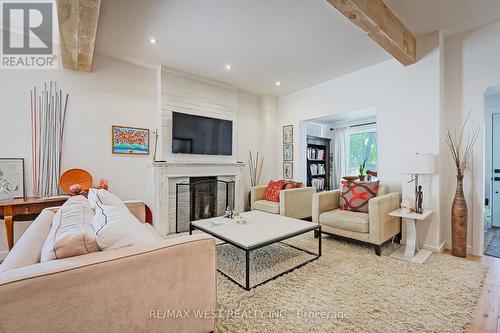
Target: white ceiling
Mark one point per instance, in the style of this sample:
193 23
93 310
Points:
449 16
298 42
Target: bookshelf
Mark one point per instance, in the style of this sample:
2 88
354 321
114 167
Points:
318 162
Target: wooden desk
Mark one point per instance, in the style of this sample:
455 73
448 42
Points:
24 209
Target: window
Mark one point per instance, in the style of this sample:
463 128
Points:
363 146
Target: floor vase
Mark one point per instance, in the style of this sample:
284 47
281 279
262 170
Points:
459 221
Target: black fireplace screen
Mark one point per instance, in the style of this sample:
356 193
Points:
201 198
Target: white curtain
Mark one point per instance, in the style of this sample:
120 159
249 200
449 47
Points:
341 138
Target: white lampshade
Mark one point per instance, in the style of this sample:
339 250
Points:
418 164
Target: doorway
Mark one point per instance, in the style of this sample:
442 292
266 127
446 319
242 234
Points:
350 141
492 172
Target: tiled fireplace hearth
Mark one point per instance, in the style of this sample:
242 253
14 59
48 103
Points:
163 179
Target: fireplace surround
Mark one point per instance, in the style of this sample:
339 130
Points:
163 178
203 197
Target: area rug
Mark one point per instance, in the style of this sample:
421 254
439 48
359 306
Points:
493 248
349 289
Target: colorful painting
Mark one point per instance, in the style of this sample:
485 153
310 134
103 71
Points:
130 140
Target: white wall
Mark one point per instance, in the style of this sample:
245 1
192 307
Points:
407 103
271 139
471 66
249 133
114 93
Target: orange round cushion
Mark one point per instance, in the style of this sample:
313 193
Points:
272 192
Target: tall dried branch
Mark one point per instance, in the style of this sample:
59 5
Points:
462 148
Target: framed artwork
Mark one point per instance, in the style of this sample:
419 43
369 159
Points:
288 152
287 134
130 140
12 175
288 170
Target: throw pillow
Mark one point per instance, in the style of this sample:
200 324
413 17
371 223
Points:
272 192
104 197
27 249
115 227
71 233
355 195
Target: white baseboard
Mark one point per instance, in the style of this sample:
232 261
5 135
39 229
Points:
440 248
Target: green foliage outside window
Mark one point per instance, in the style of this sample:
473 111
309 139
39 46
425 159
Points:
363 146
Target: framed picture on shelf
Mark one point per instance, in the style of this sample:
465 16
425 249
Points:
288 170
287 134
130 140
288 152
12 175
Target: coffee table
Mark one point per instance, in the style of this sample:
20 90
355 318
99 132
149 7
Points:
261 229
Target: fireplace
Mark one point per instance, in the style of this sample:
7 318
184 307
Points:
203 192
202 198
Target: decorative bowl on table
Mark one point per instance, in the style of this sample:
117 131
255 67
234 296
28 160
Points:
78 177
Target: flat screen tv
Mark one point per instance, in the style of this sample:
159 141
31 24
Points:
201 135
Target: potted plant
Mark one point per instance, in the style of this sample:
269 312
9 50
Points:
362 167
461 151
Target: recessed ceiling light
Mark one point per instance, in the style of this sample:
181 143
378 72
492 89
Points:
228 67
153 40
278 83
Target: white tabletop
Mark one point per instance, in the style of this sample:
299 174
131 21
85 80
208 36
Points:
259 228
406 214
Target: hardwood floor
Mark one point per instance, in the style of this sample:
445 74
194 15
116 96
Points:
487 315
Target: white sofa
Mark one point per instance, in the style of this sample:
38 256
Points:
121 290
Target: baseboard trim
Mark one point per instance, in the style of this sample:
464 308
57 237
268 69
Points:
439 248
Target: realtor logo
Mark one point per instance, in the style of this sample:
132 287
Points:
28 35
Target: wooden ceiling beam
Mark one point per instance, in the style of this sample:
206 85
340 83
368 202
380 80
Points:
381 25
78 28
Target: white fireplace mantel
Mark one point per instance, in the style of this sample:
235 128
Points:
199 169
162 177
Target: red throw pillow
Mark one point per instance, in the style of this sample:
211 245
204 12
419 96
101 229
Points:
272 192
355 195
288 184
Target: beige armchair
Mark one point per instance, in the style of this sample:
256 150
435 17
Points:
295 203
375 227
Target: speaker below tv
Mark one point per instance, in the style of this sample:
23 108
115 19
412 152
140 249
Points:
201 135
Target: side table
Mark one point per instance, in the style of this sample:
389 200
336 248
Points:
411 252
25 209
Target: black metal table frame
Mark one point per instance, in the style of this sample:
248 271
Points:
316 229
